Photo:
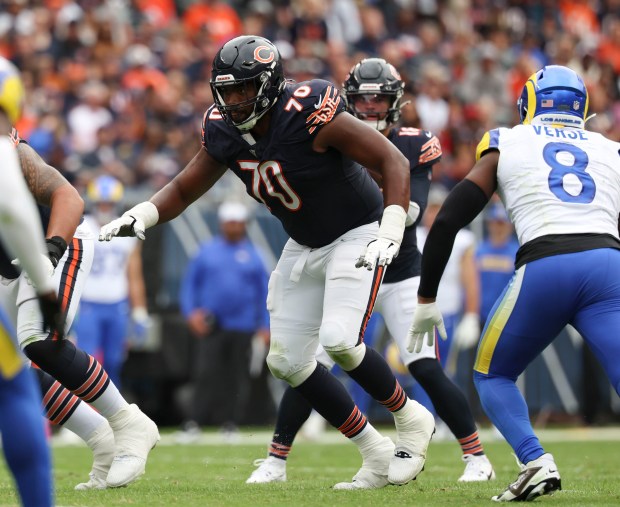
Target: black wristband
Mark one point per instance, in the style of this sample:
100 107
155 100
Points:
56 247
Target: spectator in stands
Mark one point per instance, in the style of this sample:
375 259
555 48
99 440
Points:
223 297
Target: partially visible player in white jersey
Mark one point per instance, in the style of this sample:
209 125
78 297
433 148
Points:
118 433
23 437
113 303
561 187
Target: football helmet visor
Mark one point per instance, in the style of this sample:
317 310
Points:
246 79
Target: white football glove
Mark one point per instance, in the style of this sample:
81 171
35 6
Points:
412 213
426 318
381 251
47 264
133 222
467 333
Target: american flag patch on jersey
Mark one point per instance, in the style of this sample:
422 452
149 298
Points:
546 103
326 108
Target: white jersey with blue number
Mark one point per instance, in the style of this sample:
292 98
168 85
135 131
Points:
557 180
107 281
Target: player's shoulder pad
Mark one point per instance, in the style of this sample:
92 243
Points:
489 141
318 101
419 146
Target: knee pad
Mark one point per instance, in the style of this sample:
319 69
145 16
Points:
60 359
348 359
281 368
333 337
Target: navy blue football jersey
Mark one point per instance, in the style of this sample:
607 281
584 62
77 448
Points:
422 149
317 196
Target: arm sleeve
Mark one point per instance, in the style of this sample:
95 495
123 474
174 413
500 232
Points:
21 228
462 205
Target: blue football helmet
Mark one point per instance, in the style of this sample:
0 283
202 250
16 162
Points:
105 189
554 95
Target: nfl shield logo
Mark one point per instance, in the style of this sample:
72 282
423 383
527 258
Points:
576 105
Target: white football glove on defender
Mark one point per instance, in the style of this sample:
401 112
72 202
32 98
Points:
412 214
382 250
133 222
426 318
467 333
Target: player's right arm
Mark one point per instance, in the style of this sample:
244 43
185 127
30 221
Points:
198 176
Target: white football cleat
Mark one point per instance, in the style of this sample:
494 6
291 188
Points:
270 469
414 436
135 435
477 469
101 442
95 482
374 471
536 478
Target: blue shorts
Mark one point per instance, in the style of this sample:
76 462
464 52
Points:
581 289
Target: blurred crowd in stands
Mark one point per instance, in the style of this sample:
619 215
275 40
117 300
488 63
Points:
120 86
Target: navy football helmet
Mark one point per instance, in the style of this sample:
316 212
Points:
247 69
374 78
554 95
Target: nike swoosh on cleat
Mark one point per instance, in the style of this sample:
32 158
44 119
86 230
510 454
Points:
402 454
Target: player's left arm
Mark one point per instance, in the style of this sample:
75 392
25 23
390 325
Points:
466 200
50 188
371 149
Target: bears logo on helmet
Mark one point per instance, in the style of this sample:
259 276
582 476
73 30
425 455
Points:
251 65
555 95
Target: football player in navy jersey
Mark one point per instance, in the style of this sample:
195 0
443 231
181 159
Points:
301 154
373 91
119 434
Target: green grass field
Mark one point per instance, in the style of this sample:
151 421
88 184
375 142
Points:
210 473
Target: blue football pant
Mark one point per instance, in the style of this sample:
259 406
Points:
581 289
